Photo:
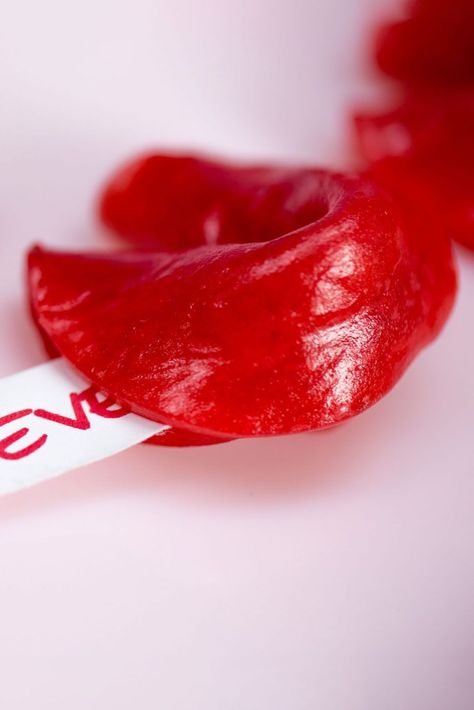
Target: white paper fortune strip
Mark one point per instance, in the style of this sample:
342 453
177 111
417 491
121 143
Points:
52 421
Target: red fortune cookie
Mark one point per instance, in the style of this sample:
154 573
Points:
269 300
433 45
426 145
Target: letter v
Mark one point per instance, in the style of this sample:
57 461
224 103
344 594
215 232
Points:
79 422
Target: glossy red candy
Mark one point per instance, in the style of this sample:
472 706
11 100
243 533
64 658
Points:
172 203
433 45
426 144
321 296
143 204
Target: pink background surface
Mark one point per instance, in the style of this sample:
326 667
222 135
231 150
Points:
317 572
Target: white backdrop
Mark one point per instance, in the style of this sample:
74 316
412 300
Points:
317 572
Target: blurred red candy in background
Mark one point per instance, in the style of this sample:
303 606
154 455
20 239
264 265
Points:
424 145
